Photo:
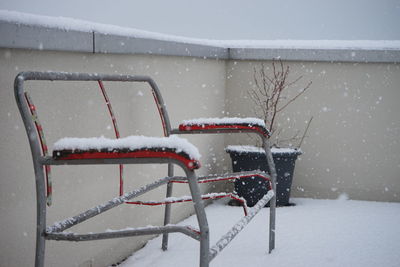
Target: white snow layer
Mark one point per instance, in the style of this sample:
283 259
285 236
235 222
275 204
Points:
130 142
240 149
70 24
314 233
226 120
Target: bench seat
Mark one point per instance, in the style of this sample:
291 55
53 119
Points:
129 147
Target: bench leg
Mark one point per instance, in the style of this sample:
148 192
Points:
40 214
272 207
167 213
201 218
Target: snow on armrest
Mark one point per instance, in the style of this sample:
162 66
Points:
128 147
224 123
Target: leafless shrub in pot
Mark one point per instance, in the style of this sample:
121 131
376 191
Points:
270 97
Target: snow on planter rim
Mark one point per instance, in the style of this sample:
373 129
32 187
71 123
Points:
254 149
130 142
221 121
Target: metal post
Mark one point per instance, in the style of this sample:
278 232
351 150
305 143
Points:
38 169
201 218
40 214
167 213
272 205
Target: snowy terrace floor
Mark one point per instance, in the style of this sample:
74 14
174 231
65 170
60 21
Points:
312 233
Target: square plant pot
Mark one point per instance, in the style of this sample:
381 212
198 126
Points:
248 158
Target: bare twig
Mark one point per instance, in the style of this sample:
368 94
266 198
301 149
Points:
295 97
268 94
305 132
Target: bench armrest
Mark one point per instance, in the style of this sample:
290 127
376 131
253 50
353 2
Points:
222 125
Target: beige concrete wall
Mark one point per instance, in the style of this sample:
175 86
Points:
353 142
191 88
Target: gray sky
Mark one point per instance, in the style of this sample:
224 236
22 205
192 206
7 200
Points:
234 19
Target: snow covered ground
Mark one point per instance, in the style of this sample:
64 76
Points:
313 233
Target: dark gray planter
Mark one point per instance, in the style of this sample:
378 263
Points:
253 189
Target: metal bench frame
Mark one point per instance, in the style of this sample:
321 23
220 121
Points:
41 161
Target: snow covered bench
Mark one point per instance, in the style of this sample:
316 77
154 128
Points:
171 150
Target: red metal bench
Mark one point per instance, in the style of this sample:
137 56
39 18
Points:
170 150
